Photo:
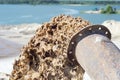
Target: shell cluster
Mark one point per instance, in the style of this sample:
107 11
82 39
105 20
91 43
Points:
45 55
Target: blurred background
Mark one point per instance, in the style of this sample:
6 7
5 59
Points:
39 11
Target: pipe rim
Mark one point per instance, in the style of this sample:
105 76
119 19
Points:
89 30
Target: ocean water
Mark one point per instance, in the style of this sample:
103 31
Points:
19 14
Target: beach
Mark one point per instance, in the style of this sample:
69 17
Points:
14 37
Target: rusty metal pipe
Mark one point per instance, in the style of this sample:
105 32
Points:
98 56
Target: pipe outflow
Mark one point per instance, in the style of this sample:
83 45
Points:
92 49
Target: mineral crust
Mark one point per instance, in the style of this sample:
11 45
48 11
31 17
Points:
45 55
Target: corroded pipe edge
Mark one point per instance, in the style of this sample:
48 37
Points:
89 30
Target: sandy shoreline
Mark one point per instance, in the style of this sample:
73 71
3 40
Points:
95 12
92 12
15 36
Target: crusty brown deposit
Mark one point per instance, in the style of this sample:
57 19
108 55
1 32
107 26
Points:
45 56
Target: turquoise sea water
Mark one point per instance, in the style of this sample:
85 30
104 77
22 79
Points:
18 14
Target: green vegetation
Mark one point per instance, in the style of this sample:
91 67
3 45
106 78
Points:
35 2
109 10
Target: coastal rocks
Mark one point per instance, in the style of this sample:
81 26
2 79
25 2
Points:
45 55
